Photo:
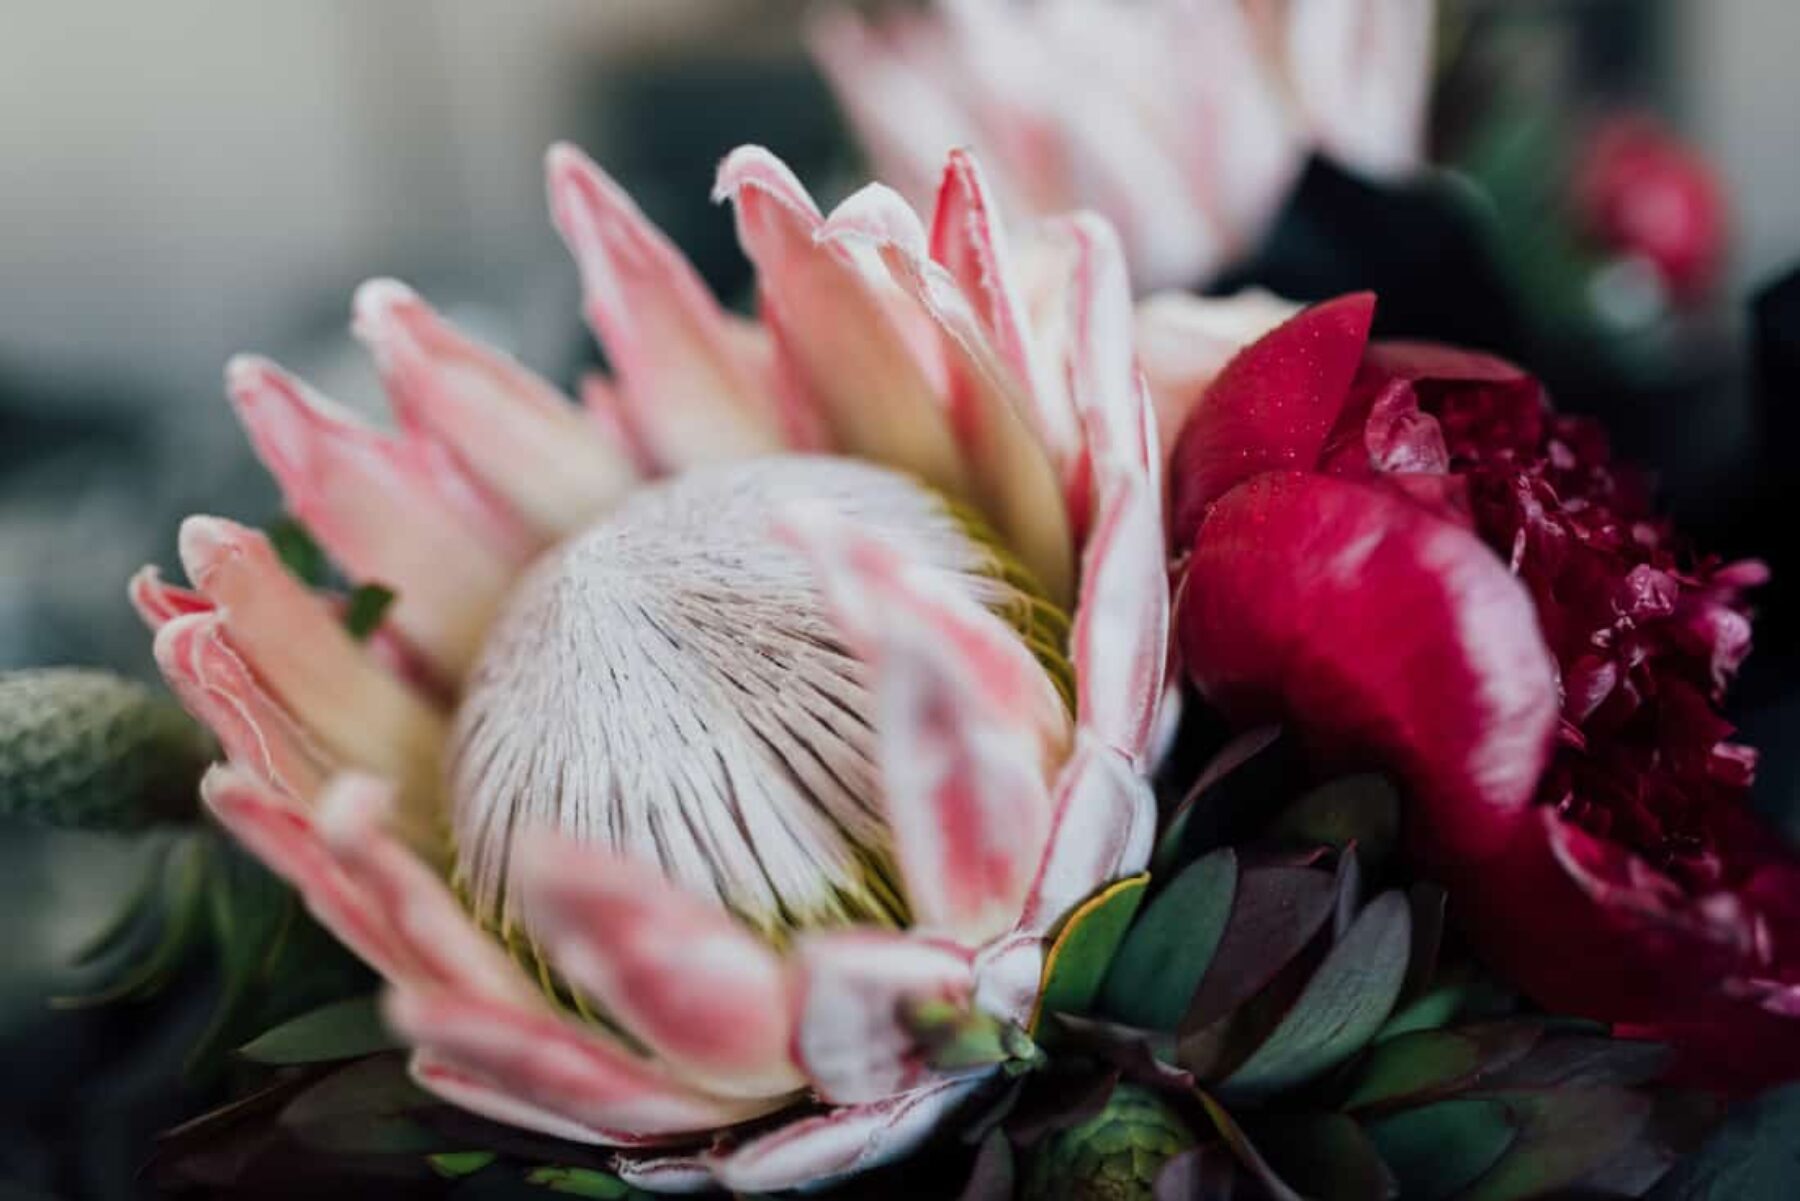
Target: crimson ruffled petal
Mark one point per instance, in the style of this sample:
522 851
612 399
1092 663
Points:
1385 634
1271 408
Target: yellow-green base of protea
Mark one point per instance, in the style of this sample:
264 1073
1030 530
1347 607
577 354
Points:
1116 1155
86 749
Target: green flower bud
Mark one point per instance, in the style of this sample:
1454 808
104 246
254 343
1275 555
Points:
1113 1156
90 750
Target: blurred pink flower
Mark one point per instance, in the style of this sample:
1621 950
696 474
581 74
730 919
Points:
1183 121
1641 191
715 725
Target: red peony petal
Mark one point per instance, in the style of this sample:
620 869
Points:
1383 633
1587 928
1271 407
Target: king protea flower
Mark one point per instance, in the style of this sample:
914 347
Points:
1400 549
1184 121
808 675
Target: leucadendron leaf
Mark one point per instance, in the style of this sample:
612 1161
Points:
1083 950
1754 1156
345 1029
1340 1009
1437 1150
368 1108
1164 957
1361 811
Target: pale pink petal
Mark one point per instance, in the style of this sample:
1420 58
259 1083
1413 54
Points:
1361 71
1011 475
612 409
1104 826
285 837
852 988
215 685
1120 643
518 434
900 115
1007 976
840 1142
554 1065
968 239
692 395
355 709
1244 151
672 1173
1184 341
866 582
964 783
481 1097
446 947
876 393
1104 381
675 971
1131 141
393 511
159 602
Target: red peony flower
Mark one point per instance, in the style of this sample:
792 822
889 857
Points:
1402 551
1642 191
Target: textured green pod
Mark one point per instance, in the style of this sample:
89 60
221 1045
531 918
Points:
86 749
1113 1156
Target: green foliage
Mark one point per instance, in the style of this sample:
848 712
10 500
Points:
85 749
1161 962
1115 1155
341 1030
366 609
202 898
1755 1156
1079 957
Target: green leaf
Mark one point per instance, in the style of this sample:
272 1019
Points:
1165 956
367 606
1078 959
1754 1156
298 552
1438 1150
1563 1135
1436 1008
956 1036
1363 810
580 1182
454 1165
180 895
1341 1007
364 1109
1427 1063
1277 911
342 1030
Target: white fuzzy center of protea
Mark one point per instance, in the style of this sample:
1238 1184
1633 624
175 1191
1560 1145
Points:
669 684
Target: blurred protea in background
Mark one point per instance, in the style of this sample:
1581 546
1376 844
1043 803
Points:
806 679
1184 121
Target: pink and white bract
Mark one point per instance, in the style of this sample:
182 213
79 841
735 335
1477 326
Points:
715 724
1184 121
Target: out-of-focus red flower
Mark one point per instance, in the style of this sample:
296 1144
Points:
1640 190
1400 549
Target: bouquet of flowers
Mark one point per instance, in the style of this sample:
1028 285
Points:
962 733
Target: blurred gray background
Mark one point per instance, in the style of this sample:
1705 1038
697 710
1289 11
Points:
187 178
